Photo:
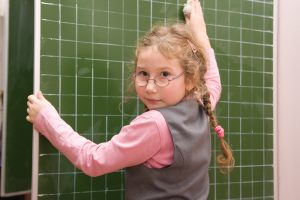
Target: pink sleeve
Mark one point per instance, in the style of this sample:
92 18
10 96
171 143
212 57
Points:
212 78
136 143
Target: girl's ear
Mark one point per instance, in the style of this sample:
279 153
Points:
188 85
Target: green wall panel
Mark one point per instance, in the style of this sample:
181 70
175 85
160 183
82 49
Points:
85 60
16 137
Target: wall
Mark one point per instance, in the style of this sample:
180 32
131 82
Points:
1 65
1 41
288 98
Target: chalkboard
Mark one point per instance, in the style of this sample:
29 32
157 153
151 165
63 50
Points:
17 132
86 47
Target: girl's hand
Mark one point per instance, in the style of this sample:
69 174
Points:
195 20
35 104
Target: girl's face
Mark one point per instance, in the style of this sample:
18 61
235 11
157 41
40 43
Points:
152 64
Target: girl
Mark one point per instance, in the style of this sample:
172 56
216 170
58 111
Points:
165 150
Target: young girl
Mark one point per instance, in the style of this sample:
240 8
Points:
165 150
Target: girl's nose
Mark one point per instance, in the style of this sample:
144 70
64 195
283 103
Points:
151 87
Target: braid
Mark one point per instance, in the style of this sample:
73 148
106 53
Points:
208 109
225 160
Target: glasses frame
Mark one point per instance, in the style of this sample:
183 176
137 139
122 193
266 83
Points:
155 81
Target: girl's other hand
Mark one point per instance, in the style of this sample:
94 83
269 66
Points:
195 20
35 104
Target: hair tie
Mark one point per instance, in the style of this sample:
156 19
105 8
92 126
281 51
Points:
220 131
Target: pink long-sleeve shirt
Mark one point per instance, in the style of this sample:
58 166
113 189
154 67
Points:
146 140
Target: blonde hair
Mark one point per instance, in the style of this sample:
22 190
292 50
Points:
176 41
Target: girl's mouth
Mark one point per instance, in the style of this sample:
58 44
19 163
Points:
152 101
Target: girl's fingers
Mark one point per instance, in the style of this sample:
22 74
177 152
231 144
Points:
187 19
187 12
40 95
28 118
194 8
28 103
196 5
29 106
34 105
32 98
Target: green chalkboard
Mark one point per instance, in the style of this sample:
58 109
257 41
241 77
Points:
17 133
86 46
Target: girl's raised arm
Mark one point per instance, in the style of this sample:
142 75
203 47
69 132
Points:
195 20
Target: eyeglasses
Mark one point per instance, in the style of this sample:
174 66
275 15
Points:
142 80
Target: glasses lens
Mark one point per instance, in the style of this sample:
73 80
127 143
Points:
161 81
140 80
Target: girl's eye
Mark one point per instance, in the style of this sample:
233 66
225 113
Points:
165 74
142 73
